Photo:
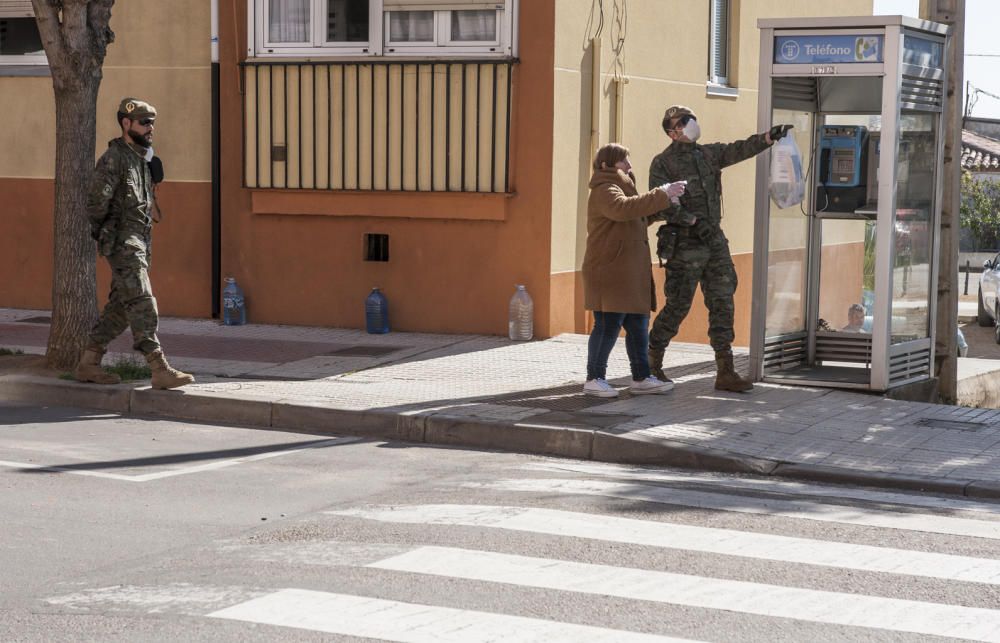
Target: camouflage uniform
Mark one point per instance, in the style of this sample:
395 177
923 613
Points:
700 250
119 204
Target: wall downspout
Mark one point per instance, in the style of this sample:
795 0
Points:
216 169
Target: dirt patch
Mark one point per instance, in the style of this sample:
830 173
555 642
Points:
26 365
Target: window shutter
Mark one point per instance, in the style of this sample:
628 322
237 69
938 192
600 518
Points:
720 39
16 9
444 5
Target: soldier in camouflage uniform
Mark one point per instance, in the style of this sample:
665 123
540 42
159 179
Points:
692 243
120 205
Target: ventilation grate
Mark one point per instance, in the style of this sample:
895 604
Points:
926 94
785 351
376 247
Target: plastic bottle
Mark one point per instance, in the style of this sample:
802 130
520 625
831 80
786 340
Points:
234 310
522 315
377 313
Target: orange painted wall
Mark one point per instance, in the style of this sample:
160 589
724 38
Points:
444 275
181 261
26 243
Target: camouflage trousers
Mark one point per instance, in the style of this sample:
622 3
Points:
694 262
131 302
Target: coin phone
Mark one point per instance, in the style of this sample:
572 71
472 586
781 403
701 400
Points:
843 168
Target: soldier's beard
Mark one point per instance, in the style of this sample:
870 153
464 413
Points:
142 140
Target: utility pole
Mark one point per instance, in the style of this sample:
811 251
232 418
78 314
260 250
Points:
951 13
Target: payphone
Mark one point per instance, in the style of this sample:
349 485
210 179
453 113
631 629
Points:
866 95
843 168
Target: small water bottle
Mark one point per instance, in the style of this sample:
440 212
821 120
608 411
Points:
520 323
234 310
377 313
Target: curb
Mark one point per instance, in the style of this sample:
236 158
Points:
432 427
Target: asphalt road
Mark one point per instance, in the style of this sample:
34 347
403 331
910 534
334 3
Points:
123 529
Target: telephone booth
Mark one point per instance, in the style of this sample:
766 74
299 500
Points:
844 283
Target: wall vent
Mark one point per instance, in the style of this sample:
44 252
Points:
376 247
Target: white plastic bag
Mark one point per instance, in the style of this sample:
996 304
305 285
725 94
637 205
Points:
788 186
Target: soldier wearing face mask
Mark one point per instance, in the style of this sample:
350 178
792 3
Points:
691 243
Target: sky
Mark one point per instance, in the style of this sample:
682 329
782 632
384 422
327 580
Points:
982 20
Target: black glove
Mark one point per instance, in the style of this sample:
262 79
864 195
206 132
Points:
156 169
778 132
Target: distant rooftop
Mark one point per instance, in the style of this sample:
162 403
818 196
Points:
980 153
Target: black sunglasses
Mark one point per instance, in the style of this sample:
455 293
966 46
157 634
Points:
684 120
146 121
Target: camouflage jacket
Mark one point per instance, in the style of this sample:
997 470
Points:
120 198
701 166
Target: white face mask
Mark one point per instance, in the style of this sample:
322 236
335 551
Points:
692 130
149 154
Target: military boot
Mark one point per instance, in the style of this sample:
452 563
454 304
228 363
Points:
656 364
727 379
89 368
164 376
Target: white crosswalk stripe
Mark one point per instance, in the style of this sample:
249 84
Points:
694 591
800 509
449 544
691 538
413 622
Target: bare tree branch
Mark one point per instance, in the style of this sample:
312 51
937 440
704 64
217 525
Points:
47 17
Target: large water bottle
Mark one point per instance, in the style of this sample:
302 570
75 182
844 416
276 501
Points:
234 309
377 313
520 323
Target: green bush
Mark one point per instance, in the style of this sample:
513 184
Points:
980 210
7 351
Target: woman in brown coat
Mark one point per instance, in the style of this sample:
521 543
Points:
618 271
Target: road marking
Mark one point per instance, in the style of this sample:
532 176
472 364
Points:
799 509
710 593
413 622
170 473
760 484
172 598
727 542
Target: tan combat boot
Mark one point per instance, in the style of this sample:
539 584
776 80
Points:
163 375
89 368
656 364
727 379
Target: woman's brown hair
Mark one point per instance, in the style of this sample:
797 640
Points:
610 154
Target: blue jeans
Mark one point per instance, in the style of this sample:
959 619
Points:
604 336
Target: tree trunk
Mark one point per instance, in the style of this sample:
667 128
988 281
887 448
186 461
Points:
74 288
75 35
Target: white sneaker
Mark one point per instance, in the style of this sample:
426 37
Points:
650 385
599 388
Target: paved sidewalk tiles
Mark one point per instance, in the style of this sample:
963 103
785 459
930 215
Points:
488 392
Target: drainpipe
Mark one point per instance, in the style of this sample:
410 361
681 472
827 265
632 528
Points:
216 170
595 96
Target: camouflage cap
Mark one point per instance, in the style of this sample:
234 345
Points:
134 109
675 111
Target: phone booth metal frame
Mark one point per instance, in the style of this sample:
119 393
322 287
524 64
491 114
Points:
869 121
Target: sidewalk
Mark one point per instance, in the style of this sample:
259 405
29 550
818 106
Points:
488 392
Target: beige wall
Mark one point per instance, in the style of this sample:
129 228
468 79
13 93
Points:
157 57
666 61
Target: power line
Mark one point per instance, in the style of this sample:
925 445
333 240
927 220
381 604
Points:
984 55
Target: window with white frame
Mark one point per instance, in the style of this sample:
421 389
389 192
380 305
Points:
382 27
718 50
20 43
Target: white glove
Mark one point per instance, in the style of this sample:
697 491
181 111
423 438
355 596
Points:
674 190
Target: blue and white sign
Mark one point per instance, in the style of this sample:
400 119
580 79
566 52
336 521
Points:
791 50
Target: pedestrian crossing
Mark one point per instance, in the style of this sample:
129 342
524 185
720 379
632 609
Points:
450 550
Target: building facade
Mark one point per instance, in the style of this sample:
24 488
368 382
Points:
437 149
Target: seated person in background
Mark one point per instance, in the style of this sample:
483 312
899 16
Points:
855 319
